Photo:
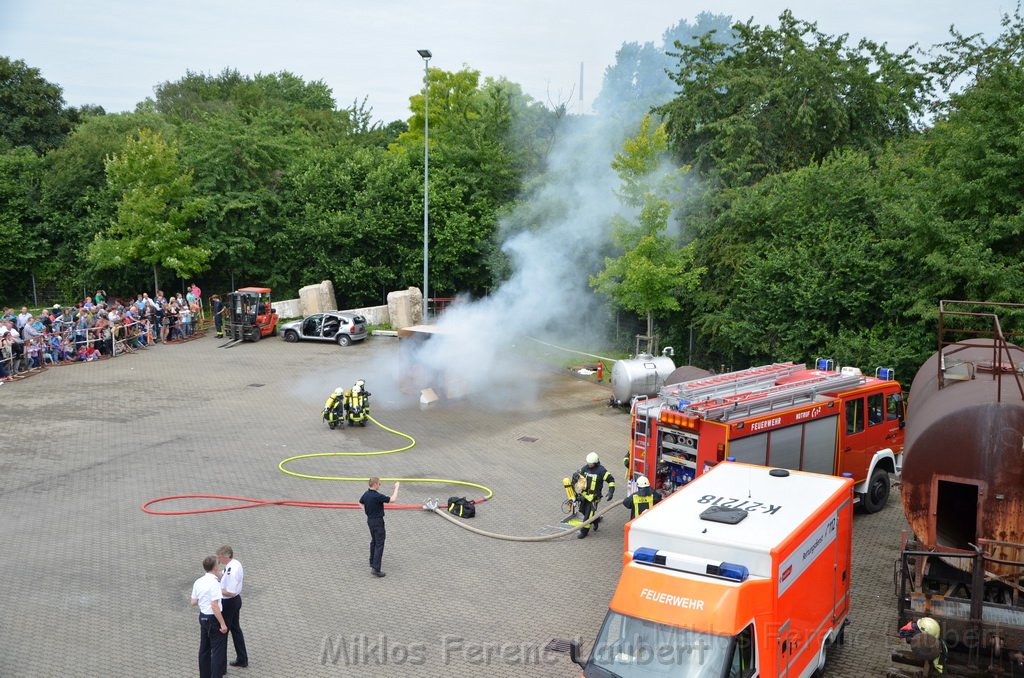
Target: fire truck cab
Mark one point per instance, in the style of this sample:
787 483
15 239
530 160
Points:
822 420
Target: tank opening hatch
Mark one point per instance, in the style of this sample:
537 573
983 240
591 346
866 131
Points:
956 514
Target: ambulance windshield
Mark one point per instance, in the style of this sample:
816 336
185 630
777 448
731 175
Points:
631 647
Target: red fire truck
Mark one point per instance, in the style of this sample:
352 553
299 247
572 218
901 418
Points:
822 420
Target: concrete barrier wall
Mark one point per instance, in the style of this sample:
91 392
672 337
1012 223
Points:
375 315
292 308
289 308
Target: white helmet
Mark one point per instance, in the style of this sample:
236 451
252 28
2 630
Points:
592 458
642 481
339 391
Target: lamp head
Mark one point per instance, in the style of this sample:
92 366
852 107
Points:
425 53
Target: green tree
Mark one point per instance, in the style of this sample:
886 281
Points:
652 270
812 262
22 238
155 210
32 111
967 209
639 79
779 99
76 202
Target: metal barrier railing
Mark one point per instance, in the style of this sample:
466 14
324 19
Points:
71 342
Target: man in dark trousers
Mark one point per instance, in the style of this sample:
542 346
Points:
373 503
218 315
213 638
231 588
595 477
641 500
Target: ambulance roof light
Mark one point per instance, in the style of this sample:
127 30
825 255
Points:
733 571
683 563
645 554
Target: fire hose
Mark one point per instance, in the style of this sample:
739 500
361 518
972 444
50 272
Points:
433 505
248 502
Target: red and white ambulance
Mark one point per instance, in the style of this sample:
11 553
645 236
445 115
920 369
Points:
743 572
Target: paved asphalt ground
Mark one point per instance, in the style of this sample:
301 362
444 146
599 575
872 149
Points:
93 586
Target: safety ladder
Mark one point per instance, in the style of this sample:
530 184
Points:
732 383
767 400
641 434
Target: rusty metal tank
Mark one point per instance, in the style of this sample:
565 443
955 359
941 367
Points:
963 465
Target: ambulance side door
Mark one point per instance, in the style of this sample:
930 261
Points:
785 650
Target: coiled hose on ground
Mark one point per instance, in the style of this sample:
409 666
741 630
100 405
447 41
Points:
432 505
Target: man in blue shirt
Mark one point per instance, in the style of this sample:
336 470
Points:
373 503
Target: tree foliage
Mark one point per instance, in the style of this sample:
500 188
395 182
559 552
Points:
32 111
829 215
652 270
780 98
639 81
155 208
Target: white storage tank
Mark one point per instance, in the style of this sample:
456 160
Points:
644 374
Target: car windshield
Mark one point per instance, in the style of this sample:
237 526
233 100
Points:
636 648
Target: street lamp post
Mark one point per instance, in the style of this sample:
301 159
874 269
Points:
425 54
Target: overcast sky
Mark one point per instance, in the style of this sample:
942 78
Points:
113 52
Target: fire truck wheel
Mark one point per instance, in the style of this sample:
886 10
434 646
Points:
291 336
877 495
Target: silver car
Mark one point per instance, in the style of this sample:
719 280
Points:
338 326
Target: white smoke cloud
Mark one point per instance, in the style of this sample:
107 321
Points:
547 295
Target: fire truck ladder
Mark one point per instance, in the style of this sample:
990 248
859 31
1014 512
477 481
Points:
733 383
767 400
641 434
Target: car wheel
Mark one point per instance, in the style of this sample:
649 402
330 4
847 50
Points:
291 336
877 496
343 339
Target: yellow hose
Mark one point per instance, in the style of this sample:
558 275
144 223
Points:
412 442
431 505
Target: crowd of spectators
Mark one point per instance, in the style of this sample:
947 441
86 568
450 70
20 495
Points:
94 328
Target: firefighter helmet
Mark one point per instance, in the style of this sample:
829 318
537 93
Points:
339 391
929 626
642 481
592 458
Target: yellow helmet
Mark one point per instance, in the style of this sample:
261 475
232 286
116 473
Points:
592 458
929 626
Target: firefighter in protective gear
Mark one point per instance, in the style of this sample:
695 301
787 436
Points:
595 476
925 637
641 500
357 404
334 408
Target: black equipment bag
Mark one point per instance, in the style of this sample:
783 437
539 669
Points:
461 507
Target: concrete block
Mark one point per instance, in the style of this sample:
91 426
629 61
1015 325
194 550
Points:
405 307
318 298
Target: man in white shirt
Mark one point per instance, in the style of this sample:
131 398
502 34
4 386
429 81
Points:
213 639
231 589
23 318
